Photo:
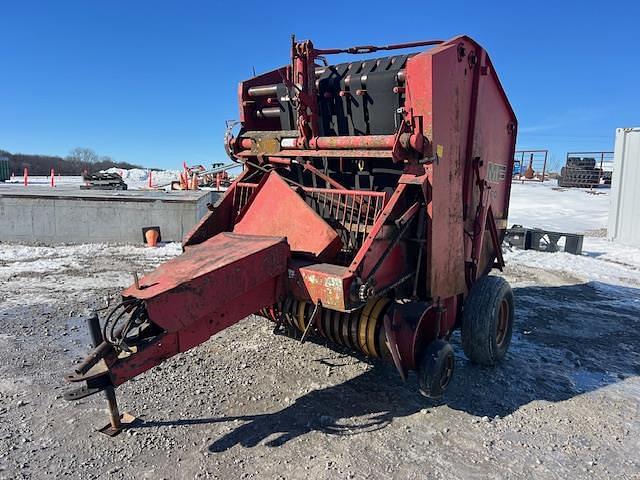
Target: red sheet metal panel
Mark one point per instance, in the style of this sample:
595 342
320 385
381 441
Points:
219 220
439 89
322 282
208 276
494 143
200 330
277 210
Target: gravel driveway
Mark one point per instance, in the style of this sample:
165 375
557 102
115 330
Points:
565 403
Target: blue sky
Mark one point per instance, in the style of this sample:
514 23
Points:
152 82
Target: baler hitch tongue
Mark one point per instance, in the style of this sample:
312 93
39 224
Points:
181 304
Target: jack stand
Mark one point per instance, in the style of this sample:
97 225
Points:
117 421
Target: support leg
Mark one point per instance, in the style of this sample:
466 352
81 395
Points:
117 422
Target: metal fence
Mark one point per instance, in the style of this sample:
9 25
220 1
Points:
530 165
586 169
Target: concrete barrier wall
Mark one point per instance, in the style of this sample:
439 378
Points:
88 217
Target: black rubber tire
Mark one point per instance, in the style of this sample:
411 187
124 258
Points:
481 318
435 369
585 177
578 162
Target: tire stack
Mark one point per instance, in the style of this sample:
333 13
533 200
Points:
606 177
580 172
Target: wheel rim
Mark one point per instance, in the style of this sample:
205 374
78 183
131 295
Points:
447 372
503 323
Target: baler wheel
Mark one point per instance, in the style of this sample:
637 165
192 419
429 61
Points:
435 369
487 321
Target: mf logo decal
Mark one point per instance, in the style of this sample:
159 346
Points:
497 173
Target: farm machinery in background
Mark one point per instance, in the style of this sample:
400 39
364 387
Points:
103 181
370 210
195 177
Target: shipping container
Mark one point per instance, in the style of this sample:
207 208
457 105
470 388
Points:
624 208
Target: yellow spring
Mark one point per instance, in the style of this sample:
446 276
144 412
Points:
361 329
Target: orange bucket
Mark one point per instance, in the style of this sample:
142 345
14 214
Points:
152 237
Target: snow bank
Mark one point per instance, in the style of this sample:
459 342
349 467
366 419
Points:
138 178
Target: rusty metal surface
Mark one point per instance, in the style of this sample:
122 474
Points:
454 88
439 90
125 420
325 283
354 142
346 153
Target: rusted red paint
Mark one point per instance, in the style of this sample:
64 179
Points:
208 288
216 221
346 153
363 142
465 115
325 283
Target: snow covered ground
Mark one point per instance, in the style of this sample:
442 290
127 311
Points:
572 210
58 269
545 205
135 178
45 181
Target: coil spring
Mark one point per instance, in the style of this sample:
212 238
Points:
362 329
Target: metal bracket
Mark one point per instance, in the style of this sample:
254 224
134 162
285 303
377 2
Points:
97 379
93 385
393 347
493 230
404 221
312 320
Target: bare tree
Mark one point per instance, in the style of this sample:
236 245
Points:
83 155
78 161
